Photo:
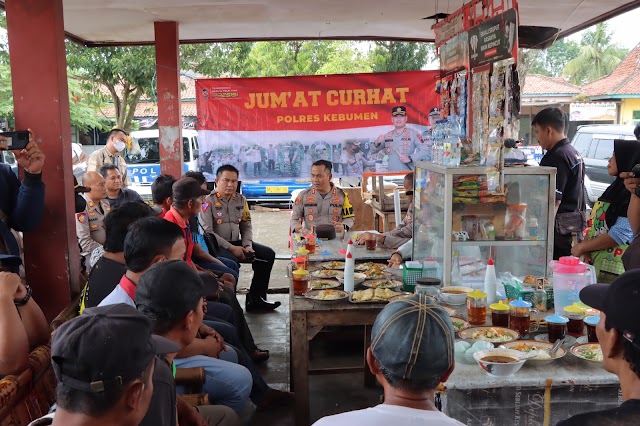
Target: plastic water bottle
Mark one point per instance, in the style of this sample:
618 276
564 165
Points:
349 265
456 144
456 278
490 282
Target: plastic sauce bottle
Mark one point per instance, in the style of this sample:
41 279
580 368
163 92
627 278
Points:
490 282
349 265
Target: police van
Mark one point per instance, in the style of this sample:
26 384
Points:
143 159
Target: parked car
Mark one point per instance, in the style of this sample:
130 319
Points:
143 159
595 144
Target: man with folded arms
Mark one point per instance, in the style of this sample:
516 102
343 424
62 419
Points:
619 336
323 202
411 353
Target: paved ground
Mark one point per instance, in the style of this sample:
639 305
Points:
330 394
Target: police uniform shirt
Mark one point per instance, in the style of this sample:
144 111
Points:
408 142
570 176
90 226
229 220
402 233
316 209
101 157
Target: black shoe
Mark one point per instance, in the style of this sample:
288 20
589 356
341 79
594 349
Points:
256 304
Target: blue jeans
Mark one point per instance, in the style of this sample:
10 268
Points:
227 383
228 332
222 268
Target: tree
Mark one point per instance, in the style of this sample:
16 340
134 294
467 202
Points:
216 59
127 73
400 56
269 58
345 58
597 57
551 61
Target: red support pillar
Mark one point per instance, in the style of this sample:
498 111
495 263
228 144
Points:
41 102
169 111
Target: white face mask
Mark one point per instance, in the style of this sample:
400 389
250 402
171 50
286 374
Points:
119 145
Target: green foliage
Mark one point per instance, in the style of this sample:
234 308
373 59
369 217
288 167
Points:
345 58
269 58
216 59
551 61
126 72
597 56
400 56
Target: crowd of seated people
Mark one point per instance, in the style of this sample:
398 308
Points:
158 299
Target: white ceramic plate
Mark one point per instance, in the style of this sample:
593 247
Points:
505 335
327 273
568 340
323 284
588 350
383 284
330 295
525 346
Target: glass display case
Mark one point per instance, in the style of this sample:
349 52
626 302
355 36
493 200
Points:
459 224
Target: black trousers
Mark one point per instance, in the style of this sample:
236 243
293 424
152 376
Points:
561 245
261 268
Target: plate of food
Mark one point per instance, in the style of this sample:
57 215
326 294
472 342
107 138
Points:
323 284
361 267
540 348
327 273
459 324
383 284
332 265
490 334
370 295
329 295
591 352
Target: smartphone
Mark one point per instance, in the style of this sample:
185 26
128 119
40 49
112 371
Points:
635 171
16 140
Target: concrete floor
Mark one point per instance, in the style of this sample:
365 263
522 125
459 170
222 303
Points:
330 394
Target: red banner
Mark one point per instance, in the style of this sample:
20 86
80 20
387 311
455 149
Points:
309 111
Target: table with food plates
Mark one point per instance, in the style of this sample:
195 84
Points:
317 310
539 393
327 250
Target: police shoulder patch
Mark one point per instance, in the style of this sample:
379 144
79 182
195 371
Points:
81 217
205 206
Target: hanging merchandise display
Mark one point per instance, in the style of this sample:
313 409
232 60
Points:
480 108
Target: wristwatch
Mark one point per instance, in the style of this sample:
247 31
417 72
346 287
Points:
26 298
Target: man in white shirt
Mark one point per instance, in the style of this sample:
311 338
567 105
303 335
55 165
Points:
411 353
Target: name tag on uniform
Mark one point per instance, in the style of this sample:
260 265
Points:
219 214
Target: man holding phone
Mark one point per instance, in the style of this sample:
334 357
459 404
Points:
21 203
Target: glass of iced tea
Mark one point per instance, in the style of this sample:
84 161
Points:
371 242
499 314
591 322
300 282
477 307
576 314
557 326
520 317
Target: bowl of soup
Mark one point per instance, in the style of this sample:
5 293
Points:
454 295
500 362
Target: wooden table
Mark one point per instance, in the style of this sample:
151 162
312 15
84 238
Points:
330 250
308 317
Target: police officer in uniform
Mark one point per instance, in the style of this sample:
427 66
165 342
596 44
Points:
90 223
323 202
355 161
401 145
111 154
225 214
